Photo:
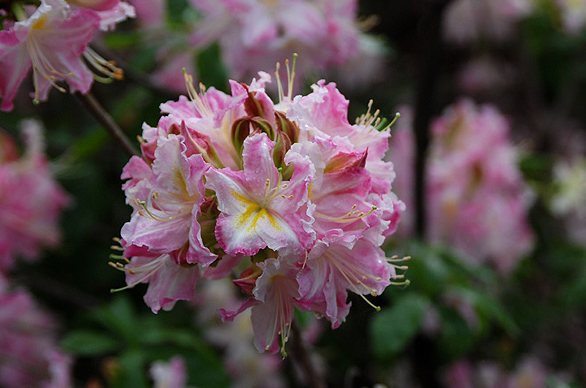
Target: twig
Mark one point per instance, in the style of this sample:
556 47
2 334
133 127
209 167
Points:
104 118
302 358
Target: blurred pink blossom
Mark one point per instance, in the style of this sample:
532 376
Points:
573 15
171 374
467 21
32 201
528 373
255 34
28 343
476 198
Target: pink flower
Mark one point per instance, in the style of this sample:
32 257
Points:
32 202
293 196
334 267
259 209
477 200
28 341
253 34
169 279
277 290
529 372
60 369
466 21
51 41
167 203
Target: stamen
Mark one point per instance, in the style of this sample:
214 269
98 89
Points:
279 84
291 76
149 269
404 283
150 213
102 66
350 274
199 100
275 189
290 79
41 65
351 216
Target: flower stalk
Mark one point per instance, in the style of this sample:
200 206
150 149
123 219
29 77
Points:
97 110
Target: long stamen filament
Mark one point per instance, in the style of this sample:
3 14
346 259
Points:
199 100
351 278
150 213
351 216
108 68
291 76
275 190
149 268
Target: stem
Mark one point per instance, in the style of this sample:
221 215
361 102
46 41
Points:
104 118
302 358
431 62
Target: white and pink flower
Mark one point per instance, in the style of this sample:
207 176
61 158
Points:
53 42
289 200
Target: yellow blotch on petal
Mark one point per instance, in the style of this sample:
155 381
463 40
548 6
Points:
253 213
39 24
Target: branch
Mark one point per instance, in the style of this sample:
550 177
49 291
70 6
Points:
104 118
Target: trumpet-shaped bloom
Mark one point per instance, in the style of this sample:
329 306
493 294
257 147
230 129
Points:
167 203
277 290
51 41
169 279
334 267
258 208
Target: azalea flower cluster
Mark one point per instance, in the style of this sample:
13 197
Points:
476 198
253 35
53 40
290 199
31 198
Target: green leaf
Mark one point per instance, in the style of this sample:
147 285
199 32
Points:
89 343
120 318
488 307
455 338
392 329
133 370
